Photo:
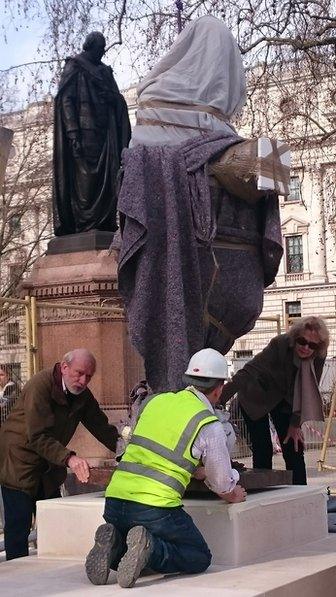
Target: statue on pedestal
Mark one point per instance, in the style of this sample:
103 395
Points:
91 128
194 258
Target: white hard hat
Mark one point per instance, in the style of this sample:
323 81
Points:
208 363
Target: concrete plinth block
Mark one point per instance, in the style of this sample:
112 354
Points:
267 522
236 533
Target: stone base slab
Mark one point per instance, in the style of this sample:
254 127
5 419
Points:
267 522
73 275
308 571
83 241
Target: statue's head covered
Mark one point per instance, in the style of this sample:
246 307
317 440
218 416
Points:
203 66
94 45
204 69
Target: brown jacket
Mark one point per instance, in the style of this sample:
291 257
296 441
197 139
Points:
33 439
267 379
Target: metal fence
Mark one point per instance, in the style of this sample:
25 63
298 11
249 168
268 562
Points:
19 354
15 360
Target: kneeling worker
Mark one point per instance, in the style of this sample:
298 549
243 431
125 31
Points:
146 523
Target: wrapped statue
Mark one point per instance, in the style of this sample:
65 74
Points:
91 128
194 258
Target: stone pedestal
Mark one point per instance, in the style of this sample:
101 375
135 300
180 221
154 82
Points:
85 278
267 522
250 479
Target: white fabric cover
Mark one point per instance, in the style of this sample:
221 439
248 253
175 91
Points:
203 66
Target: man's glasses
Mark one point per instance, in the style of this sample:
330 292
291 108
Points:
303 342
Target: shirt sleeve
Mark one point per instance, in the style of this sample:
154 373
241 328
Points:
210 447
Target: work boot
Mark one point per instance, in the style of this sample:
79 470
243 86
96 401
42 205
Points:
139 548
104 551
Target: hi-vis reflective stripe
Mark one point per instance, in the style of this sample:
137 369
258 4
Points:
144 471
190 430
170 455
176 455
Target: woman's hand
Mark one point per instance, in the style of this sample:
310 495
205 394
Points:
294 433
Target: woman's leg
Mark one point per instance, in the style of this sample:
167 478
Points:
294 460
262 449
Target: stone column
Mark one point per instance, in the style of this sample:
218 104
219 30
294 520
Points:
317 232
329 188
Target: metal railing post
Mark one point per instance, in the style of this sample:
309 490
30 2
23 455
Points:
28 337
34 341
321 460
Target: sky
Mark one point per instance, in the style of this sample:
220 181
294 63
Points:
20 46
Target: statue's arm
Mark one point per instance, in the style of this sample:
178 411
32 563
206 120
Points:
70 113
124 125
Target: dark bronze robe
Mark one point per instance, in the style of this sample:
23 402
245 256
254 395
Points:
88 108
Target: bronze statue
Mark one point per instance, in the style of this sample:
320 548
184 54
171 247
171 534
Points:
91 128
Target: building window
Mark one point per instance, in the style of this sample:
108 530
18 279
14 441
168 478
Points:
294 189
15 371
242 354
13 333
15 274
14 224
293 311
294 254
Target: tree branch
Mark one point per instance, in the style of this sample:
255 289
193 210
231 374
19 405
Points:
120 20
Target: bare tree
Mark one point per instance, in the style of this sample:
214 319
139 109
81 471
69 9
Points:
288 40
25 202
288 48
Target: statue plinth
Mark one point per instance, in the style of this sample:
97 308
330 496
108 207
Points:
85 278
93 240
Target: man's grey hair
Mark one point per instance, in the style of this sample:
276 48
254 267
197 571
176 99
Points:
203 384
81 353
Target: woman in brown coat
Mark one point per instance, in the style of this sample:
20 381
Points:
282 381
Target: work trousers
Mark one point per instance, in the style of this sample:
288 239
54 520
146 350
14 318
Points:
19 508
262 449
178 546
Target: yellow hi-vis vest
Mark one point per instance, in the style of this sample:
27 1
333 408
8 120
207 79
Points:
157 464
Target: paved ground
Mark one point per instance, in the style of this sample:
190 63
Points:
309 571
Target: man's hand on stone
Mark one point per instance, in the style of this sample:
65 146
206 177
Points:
238 494
294 433
80 467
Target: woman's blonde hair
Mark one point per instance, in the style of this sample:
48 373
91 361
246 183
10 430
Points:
313 324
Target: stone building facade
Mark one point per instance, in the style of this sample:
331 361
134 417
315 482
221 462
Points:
306 282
